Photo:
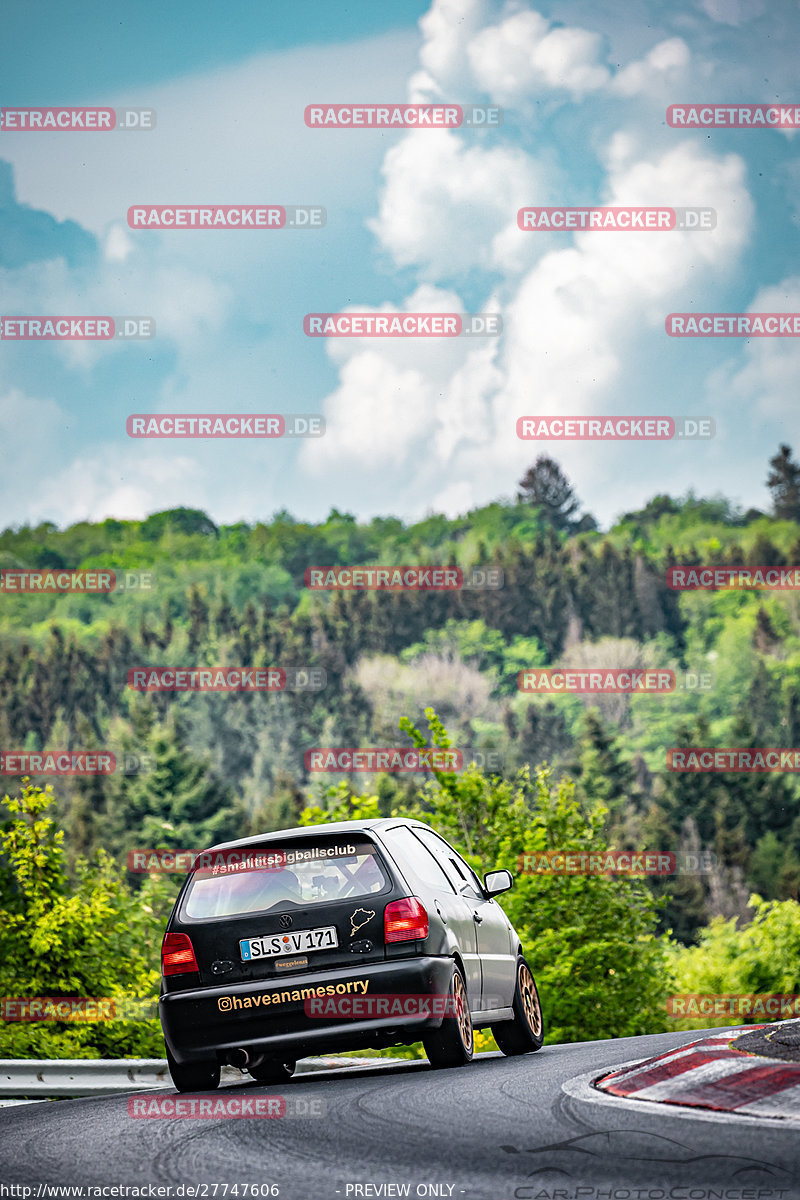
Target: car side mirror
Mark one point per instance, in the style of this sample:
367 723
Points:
497 881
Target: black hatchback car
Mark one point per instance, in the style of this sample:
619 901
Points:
356 935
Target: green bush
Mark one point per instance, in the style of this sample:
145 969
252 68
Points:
762 958
590 940
90 939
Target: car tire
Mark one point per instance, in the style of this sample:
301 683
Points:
452 1044
194 1076
272 1070
523 1034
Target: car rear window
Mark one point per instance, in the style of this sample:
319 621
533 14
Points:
233 883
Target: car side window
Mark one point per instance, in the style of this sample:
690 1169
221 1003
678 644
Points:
468 872
463 879
421 861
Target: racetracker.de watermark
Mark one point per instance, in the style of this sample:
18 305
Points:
75 120
75 329
614 218
734 116
227 216
219 1107
401 116
733 1004
76 762
226 679
57 762
224 425
77 1009
431 325
19 580
721 578
486 760
382 758
613 429
215 862
734 325
617 862
611 680
388 1004
402 579
736 759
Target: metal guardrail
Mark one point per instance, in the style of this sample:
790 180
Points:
26 1077
32 1078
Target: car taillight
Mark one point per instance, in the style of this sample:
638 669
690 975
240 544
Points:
405 920
177 954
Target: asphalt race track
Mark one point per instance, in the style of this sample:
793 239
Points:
499 1128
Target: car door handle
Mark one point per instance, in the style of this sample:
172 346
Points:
441 914
477 918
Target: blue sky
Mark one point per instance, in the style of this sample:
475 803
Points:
416 220
99 46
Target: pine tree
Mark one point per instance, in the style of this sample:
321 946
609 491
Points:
783 482
546 487
180 804
198 615
764 553
603 775
544 736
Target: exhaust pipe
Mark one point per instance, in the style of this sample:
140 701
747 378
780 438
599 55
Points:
243 1059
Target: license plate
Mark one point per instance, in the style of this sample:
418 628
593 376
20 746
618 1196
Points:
300 942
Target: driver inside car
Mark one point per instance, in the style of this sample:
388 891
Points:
257 890
368 877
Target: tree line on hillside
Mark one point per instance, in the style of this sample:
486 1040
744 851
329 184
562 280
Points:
230 764
602 968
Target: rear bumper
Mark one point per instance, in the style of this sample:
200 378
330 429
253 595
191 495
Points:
289 1019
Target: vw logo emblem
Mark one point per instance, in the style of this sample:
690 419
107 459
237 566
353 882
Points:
285 921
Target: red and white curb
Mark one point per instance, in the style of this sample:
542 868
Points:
710 1074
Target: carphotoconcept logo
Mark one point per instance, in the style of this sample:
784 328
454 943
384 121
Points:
401 116
734 116
734 325
381 758
226 679
75 120
224 425
613 429
20 580
734 759
649 1157
739 578
402 579
397 324
75 329
227 216
615 218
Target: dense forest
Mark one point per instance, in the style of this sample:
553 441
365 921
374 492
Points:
201 767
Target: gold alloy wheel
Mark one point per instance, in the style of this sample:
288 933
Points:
462 1010
530 1000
